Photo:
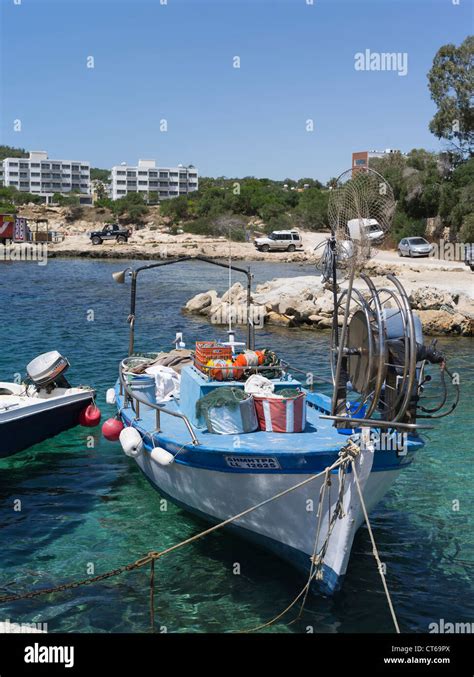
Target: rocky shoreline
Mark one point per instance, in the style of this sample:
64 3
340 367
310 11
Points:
306 303
441 290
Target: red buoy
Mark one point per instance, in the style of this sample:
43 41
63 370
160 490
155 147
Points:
90 416
111 429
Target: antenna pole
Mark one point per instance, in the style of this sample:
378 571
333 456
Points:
339 392
231 338
250 324
335 325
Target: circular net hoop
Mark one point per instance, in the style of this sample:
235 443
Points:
360 211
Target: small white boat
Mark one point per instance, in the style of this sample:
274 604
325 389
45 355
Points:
41 407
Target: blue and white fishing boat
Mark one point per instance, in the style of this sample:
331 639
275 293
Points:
217 476
379 367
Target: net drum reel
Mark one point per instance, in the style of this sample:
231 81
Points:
382 373
363 353
379 364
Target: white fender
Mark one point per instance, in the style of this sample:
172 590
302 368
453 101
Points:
162 456
131 441
110 396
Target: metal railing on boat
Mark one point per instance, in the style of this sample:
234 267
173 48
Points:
128 394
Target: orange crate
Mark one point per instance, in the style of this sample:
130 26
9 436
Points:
210 350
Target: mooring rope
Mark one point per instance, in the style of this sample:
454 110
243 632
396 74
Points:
348 454
375 552
317 560
322 493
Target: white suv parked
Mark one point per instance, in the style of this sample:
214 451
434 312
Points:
280 240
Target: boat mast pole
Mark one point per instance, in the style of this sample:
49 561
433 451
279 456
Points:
250 325
334 288
339 393
131 317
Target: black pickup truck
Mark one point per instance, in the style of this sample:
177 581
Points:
111 231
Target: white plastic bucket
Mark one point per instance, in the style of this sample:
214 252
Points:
143 385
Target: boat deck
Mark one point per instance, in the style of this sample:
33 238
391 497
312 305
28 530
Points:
319 434
317 446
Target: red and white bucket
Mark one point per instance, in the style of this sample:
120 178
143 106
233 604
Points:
281 414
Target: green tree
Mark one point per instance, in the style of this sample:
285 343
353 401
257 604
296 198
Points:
177 209
393 168
100 189
451 83
11 151
22 198
100 174
311 183
105 203
130 207
466 234
457 197
406 226
312 209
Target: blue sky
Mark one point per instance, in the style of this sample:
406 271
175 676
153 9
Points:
175 62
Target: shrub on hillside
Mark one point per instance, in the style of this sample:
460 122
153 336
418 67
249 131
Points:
406 226
466 234
226 225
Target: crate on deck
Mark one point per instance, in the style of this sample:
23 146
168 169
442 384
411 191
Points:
210 350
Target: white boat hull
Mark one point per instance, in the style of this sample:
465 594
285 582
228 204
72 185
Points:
28 420
287 525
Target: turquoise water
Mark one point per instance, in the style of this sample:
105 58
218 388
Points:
84 505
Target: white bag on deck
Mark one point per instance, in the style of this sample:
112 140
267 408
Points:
166 382
259 385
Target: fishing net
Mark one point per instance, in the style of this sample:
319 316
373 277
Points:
271 359
288 393
220 397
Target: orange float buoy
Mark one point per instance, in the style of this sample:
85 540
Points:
221 369
240 361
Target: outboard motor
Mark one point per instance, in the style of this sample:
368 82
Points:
47 371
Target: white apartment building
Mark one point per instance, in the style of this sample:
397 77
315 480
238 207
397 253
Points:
42 176
146 178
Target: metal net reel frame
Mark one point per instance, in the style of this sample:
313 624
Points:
366 351
358 196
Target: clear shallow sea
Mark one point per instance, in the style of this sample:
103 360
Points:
83 505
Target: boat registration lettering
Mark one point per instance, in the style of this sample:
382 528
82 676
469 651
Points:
253 462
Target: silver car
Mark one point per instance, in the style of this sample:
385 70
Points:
279 240
414 246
